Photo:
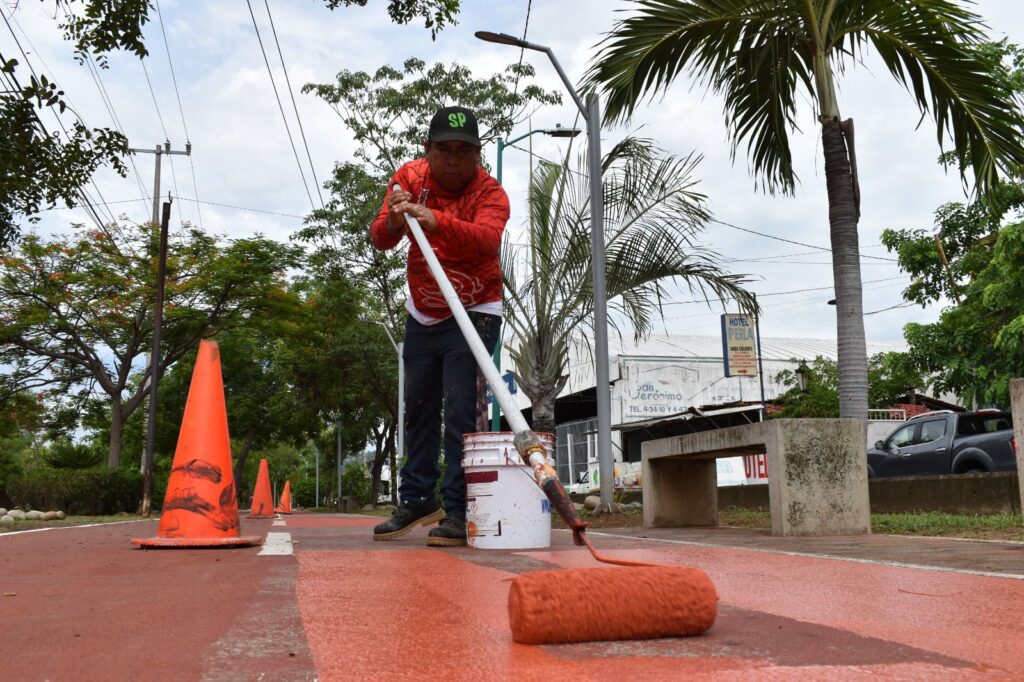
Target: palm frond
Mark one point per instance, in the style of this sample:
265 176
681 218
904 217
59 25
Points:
654 215
931 48
754 52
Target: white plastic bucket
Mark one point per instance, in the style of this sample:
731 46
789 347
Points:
505 508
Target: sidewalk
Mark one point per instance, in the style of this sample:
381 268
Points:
321 600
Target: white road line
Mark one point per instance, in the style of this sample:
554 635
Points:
812 555
277 522
277 544
84 525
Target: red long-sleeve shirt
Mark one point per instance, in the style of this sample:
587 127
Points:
467 241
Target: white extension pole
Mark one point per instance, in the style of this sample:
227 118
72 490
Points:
483 358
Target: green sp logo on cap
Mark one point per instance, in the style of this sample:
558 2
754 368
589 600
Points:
456 120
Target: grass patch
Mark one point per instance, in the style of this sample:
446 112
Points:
994 526
70 521
932 524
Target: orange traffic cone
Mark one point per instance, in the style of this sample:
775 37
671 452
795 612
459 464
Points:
262 499
284 506
200 509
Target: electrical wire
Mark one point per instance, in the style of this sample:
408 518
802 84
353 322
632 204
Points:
104 97
152 92
522 51
197 201
181 110
295 107
279 105
790 241
12 79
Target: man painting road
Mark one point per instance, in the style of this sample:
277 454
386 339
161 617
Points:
463 211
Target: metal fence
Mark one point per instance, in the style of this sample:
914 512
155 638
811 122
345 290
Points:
575 444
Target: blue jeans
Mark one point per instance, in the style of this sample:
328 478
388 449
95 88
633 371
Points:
440 378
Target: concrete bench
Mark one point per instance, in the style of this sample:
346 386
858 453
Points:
817 475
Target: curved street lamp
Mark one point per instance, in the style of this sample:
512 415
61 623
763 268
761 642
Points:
591 112
557 131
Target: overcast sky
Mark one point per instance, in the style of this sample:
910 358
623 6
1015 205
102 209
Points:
247 179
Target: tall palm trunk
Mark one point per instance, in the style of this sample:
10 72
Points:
842 218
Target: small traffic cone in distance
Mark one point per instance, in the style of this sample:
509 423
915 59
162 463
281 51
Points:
284 505
262 499
200 508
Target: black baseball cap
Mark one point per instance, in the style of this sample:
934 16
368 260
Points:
454 124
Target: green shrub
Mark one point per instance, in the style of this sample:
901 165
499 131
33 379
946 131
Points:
78 491
304 493
356 482
68 455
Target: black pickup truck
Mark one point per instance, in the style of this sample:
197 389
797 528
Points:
946 443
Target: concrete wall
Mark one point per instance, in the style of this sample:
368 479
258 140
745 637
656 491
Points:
995 493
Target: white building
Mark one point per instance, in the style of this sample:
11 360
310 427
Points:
661 376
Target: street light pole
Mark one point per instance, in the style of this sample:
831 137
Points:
591 112
557 131
400 450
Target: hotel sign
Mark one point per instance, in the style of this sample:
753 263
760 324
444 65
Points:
739 345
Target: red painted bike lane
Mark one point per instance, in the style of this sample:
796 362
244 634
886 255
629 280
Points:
86 605
400 610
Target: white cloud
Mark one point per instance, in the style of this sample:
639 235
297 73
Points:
242 156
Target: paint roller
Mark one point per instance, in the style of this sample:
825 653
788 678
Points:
638 601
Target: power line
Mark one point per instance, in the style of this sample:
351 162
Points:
279 105
781 293
243 208
152 92
790 241
12 79
522 51
197 201
181 110
104 97
291 93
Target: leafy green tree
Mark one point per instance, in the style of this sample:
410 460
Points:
758 54
977 346
653 215
38 169
891 377
263 405
972 350
388 114
76 311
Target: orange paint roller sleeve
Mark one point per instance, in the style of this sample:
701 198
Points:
598 604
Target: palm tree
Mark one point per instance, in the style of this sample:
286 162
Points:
758 53
652 214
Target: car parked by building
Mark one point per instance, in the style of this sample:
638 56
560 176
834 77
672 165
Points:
946 442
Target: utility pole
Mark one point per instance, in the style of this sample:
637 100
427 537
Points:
154 364
341 506
160 150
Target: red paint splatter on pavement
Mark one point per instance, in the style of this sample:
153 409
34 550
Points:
423 614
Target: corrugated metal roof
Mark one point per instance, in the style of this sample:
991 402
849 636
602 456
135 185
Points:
773 348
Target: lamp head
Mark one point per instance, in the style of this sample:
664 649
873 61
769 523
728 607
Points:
559 131
500 38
